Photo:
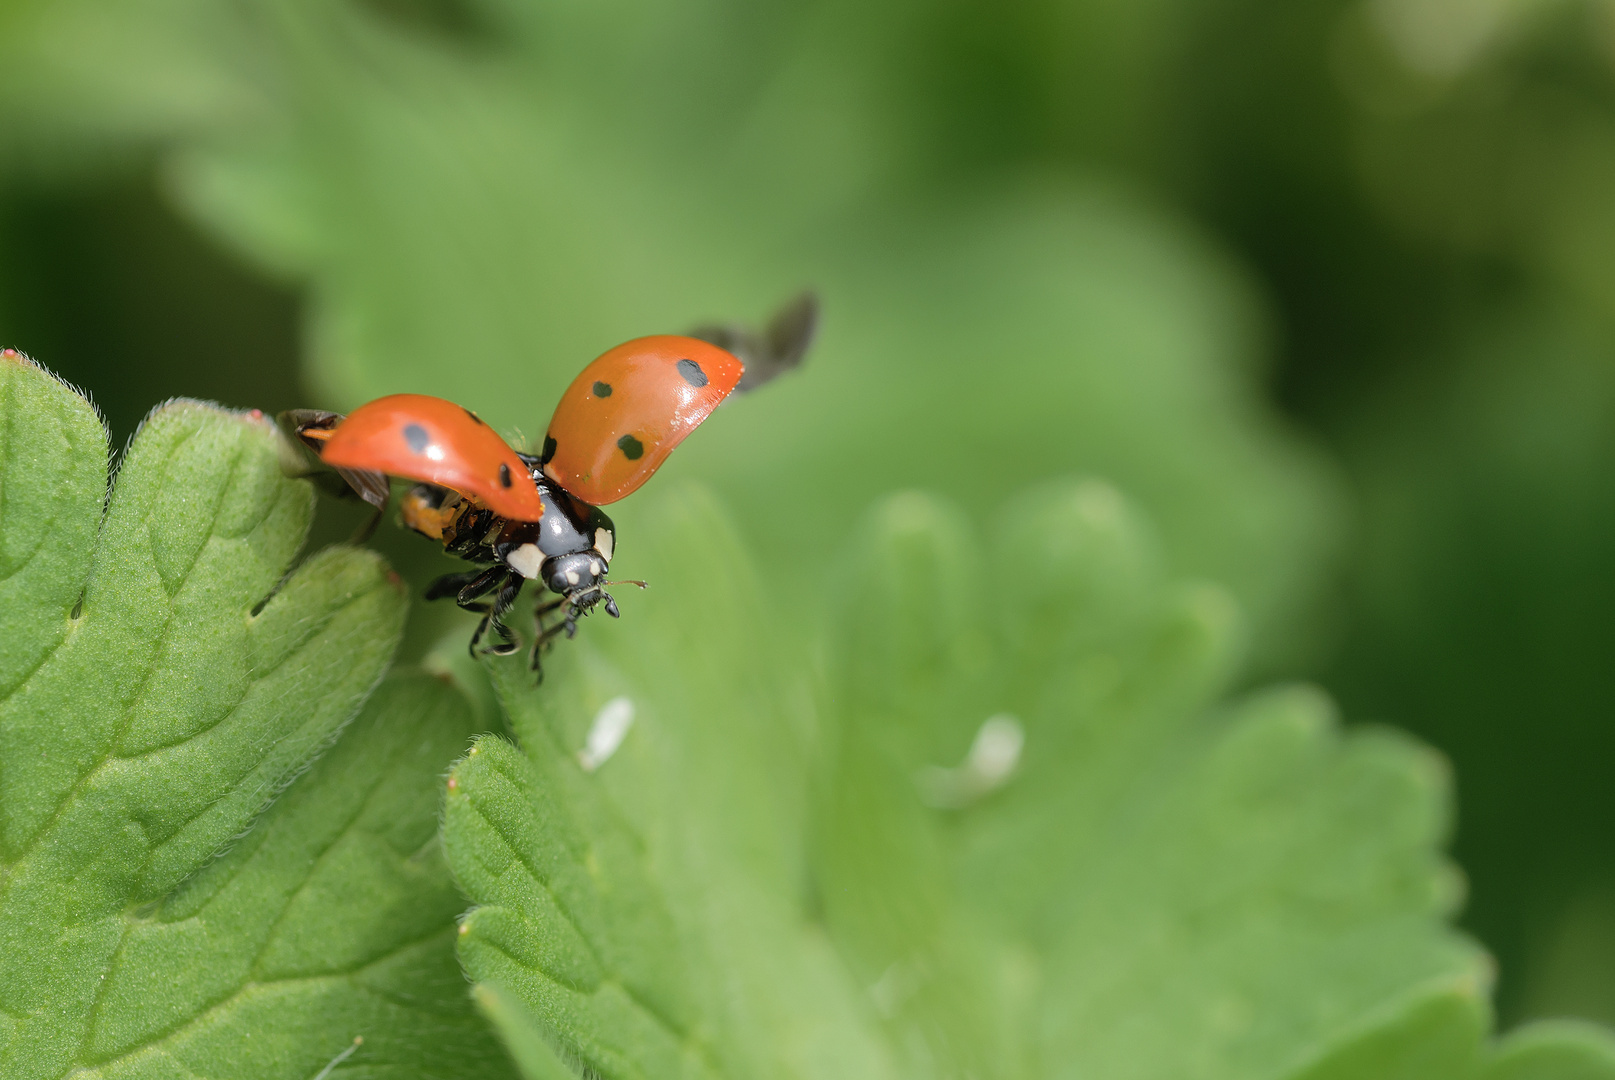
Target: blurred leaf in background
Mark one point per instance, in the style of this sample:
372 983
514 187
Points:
1430 200
1487 576
104 280
479 205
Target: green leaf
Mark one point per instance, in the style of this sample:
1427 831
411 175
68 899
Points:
1555 1050
1167 882
1438 1036
1241 876
523 1035
648 912
1433 1033
170 679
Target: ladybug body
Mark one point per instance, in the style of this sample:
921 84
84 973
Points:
521 517
568 550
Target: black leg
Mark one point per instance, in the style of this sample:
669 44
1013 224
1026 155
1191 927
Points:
541 610
568 625
482 626
543 635
578 603
450 584
468 589
481 585
501 605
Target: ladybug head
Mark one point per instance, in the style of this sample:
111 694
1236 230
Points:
577 572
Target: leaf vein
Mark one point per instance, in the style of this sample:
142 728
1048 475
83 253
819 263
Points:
155 1043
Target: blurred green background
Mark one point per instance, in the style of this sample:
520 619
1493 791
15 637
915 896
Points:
1327 286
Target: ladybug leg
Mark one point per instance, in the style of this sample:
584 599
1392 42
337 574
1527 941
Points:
568 625
482 625
545 633
578 604
479 586
450 584
545 608
468 589
501 605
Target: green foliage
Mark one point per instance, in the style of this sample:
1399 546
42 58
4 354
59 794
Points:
648 914
780 871
1140 837
481 203
163 682
1565 1050
1488 568
475 195
1162 886
524 1038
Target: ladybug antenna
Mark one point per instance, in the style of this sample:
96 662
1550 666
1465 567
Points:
626 581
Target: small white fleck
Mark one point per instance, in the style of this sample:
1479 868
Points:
610 727
991 760
526 560
996 749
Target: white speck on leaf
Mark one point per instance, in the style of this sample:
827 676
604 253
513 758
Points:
610 727
991 760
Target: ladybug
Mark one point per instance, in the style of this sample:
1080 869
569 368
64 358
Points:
523 517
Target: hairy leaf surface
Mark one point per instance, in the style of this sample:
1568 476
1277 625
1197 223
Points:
164 680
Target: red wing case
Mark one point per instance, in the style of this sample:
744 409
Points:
436 441
622 417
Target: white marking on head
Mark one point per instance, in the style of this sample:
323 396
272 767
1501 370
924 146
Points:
604 541
610 727
594 567
572 577
526 560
